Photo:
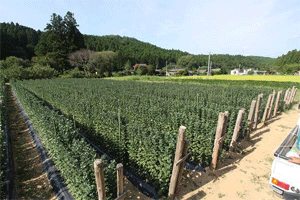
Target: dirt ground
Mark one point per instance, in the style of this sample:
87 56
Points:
30 179
241 175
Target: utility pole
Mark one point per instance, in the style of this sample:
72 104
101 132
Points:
208 66
166 67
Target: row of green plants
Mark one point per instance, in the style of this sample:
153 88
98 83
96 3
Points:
2 141
70 152
137 122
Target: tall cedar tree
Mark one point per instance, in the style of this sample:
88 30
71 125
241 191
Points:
60 38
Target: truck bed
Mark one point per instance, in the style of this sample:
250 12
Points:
287 144
285 176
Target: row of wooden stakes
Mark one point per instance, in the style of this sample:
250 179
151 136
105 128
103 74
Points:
180 156
100 182
253 120
181 153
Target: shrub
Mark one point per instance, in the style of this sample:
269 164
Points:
74 73
14 72
251 72
118 74
141 71
39 71
184 72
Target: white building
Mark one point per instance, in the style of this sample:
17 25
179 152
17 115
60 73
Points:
239 71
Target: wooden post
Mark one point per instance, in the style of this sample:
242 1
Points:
224 134
267 109
277 103
120 180
226 113
293 92
257 110
271 104
293 98
250 118
292 95
236 129
178 155
181 165
286 96
99 174
289 99
218 136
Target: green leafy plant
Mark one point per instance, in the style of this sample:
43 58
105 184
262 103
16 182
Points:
137 122
70 152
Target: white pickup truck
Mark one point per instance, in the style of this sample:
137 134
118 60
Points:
285 176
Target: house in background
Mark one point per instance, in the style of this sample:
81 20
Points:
139 65
239 71
297 73
174 71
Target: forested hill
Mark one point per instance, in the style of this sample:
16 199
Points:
289 63
141 52
133 49
17 40
20 41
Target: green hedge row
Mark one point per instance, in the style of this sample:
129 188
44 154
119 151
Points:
71 154
137 122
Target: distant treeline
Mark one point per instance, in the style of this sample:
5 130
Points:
140 52
54 46
288 63
17 40
20 41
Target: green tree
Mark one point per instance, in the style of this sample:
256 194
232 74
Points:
289 68
128 67
12 60
251 72
151 70
224 70
38 71
184 72
79 59
288 63
141 71
60 38
17 40
188 62
290 58
102 62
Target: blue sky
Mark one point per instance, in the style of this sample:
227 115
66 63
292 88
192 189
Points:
247 27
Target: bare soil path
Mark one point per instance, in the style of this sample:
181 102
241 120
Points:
30 179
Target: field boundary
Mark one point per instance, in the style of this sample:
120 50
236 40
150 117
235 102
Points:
59 187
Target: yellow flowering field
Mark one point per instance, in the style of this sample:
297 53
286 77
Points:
280 78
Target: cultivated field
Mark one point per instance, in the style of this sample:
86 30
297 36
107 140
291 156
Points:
136 122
